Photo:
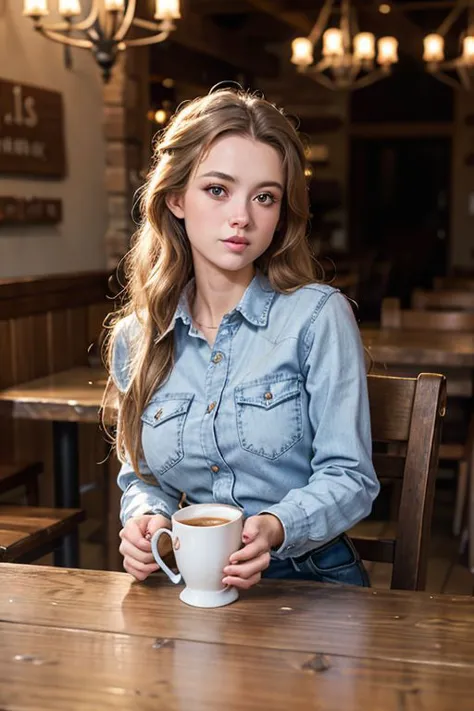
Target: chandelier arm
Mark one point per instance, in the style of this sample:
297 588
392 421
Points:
324 81
321 22
447 80
450 64
451 18
470 18
355 23
143 41
355 69
127 21
325 63
163 26
345 26
370 78
463 74
64 39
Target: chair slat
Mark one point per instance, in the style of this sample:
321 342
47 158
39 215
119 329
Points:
391 402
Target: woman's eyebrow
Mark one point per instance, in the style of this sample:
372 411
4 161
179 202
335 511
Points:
231 179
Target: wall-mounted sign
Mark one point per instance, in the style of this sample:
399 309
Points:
31 131
34 211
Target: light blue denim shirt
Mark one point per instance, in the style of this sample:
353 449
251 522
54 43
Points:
273 418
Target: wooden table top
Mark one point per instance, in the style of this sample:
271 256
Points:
435 348
73 395
80 639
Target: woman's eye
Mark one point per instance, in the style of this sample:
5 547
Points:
215 190
265 199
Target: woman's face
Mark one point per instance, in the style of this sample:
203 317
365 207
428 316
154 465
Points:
232 203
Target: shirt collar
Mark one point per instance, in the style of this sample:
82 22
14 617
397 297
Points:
254 304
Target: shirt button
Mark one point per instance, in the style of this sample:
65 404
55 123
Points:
214 468
217 358
211 406
268 396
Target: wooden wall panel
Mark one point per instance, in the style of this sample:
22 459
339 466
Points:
78 335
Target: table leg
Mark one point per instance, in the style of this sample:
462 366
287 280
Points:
66 486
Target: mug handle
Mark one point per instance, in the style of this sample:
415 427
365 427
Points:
174 577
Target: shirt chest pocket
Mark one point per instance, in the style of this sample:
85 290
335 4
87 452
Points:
269 419
163 423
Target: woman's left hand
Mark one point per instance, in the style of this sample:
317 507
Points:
260 535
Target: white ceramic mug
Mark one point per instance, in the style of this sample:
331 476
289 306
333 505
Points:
202 553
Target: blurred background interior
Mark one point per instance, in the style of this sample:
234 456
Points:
383 94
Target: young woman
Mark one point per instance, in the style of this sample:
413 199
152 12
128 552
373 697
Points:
241 379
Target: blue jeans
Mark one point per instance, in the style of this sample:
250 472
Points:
335 562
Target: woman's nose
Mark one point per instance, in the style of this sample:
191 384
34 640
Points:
240 219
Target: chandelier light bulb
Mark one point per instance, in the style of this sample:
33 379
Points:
332 43
69 8
35 8
433 48
167 10
364 46
468 50
302 51
387 51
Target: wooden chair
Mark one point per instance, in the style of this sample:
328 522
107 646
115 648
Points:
24 475
30 532
459 385
407 412
443 300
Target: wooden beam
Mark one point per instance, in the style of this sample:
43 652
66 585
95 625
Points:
199 33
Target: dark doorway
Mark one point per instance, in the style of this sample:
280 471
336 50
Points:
399 207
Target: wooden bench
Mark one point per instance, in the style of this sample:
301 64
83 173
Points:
30 532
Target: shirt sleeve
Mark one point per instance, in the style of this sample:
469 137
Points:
343 483
139 497
141 494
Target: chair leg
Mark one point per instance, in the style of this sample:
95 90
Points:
461 493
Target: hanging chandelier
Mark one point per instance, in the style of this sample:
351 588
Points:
104 31
463 65
348 56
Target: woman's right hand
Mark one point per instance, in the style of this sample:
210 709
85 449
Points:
135 547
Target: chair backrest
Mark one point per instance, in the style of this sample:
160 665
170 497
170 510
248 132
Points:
446 299
393 316
458 283
407 412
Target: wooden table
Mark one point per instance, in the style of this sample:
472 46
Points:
65 399
89 640
429 348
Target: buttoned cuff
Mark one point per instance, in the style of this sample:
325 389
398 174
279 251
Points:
295 525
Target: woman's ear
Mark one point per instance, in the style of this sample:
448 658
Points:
175 203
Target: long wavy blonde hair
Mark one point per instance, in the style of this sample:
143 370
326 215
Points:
159 263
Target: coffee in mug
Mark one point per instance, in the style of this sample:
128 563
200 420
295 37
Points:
203 536
206 521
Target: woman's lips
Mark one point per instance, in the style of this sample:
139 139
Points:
236 244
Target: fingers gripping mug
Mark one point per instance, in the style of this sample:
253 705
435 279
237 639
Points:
203 537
